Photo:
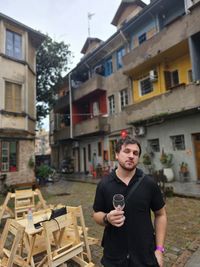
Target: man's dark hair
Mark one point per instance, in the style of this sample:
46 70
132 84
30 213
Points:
126 141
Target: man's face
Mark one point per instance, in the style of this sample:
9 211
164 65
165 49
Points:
128 156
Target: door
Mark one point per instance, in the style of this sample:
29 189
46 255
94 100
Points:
84 160
77 159
197 153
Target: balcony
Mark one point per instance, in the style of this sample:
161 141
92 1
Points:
182 99
93 85
148 53
61 104
95 125
62 134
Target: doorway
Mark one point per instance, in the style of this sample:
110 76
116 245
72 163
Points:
197 153
84 160
77 159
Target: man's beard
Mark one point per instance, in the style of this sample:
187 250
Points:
124 167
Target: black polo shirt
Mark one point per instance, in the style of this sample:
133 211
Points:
135 239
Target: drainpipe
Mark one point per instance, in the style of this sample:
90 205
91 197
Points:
70 106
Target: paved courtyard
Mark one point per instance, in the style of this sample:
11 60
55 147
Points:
183 236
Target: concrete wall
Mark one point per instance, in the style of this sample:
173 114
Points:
186 126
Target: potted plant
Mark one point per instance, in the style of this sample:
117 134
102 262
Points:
147 161
183 172
166 160
31 162
184 168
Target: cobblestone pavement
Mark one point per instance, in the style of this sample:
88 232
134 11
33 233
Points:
183 237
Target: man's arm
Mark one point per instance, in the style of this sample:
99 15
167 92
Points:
114 217
160 224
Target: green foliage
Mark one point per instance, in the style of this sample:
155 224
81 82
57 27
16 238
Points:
43 171
52 61
166 159
146 159
31 162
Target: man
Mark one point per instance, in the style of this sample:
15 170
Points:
130 239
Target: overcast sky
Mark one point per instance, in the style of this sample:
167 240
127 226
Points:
65 20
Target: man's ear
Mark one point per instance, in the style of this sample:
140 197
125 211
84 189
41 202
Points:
116 155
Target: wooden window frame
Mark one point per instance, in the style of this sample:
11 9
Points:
15 50
6 165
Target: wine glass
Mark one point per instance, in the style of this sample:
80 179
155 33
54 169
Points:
118 202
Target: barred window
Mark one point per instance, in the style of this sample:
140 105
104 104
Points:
146 86
154 144
178 142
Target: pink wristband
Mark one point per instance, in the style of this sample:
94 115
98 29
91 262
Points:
161 249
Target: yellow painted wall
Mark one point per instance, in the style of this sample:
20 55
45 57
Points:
182 64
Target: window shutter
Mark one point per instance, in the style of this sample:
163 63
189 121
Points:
13 100
8 97
18 105
168 83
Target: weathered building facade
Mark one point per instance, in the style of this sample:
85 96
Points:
18 44
143 80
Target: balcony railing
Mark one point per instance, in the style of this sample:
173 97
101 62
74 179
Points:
91 126
97 82
179 99
62 134
61 104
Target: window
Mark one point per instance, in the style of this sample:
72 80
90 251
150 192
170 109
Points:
142 38
146 86
120 54
178 142
111 100
8 156
112 149
13 44
174 77
154 144
13 101
99 149
171 79
124 98
108 67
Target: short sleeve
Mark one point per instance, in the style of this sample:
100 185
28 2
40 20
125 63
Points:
99 201
157 201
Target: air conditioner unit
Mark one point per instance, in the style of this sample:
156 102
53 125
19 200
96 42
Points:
153 75
140 131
